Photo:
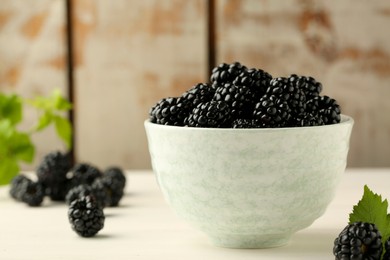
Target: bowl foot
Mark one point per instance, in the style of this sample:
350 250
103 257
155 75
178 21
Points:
249 241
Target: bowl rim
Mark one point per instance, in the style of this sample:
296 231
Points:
345 120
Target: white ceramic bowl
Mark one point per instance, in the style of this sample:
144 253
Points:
249 188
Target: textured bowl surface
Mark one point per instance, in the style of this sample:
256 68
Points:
249 188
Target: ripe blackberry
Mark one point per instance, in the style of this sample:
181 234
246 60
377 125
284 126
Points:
33 193
238 98
16 191
245 123
108 191
272 111
170 111
307 119
294 96
78 192
309 85
256 80
358 240
85 217
210 114
199 93
84 173
225 73
326 108
116 174
52 172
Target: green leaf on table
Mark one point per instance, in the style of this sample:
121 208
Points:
64 130
11 108
372 209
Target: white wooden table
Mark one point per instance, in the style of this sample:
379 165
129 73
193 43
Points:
144 227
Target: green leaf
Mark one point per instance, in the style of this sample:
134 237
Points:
64 130
372 209
15 146
59 102
54 102
44 121
9 168
11 108
21 147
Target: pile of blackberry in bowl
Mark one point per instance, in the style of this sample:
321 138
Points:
238 97
249 159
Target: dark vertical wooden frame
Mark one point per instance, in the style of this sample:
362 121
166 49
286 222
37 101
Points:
69 37
70 67
211 36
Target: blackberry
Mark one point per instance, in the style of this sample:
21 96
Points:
85 216
256 80
100 193
210 114
117 174
170 111
245 123
84 173
307 119
272 111
239 99
326 108
33 193
225 73
114 189
77 192
309 85
16 190
199 93
52 172
358 240
386 256
294 96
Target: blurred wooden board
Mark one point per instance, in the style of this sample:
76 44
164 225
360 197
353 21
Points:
345 45
130 54
32 55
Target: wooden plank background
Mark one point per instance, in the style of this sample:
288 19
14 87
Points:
128 54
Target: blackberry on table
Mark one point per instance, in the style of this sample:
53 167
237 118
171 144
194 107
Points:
272 111
210 114
78 192
108 191
16 187
33 193
238 98
85 216
84 173
225 73
170 111
100 192
200 93
282 88
117 174
52 173
358 240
